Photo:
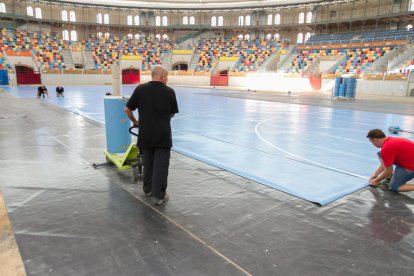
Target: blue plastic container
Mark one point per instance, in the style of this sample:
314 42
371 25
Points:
117 124
337 85
342 88
352 90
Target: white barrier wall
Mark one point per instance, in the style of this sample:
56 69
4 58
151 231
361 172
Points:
72 79
267 82
189 80
380 87
60 79
271 82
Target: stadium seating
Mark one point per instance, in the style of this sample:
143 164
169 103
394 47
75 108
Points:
46 49
319 39
356 59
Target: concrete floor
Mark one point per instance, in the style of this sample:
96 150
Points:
71 219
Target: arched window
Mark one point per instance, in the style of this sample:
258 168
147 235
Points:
268 36
247 20
164 37
99 18
72 16
309 17
277 19
129 36
213 21
158 36
276 36
409 27
64 15
38 13
165 21
137 36
2 7
269 19
29 10
240 36
301 18
192 20
107 35
65 34
106 18
220 21
247 37
99 34
158 21
136 20
241 20
307 36
300 38
73 35
185 20
129 20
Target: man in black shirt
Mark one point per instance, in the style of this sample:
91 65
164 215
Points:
157 104
42 91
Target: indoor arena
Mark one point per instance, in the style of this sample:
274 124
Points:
267 137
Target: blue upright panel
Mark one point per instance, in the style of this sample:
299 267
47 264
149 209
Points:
342 88
352 88
4 77
337 85
117 124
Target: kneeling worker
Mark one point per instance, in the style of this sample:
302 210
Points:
59 91
42 91
394 151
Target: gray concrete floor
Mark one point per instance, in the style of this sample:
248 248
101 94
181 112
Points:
71 219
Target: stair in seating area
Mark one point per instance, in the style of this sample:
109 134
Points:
89 61
194 61
68 58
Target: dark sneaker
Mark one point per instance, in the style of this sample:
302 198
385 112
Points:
385 182
148 193
160 201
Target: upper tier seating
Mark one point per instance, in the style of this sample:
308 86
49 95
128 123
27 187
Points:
320 39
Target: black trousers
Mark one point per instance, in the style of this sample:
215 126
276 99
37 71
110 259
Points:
156 163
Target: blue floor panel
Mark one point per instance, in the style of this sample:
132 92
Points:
316 153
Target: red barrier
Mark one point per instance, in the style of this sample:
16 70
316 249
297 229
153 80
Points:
219 80
28 78
316 82
26 75
131 76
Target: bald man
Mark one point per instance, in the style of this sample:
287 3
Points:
156 104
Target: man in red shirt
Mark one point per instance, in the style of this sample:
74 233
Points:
394 151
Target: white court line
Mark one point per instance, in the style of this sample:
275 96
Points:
256 129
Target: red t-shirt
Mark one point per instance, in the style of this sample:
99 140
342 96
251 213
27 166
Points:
398 151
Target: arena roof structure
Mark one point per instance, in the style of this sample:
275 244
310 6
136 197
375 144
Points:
200 4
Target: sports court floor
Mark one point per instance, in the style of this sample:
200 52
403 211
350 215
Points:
224 217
